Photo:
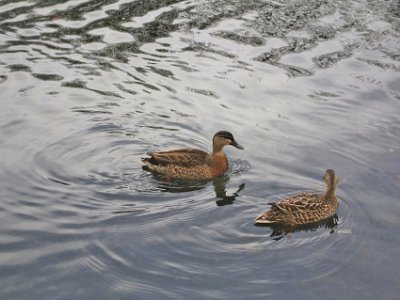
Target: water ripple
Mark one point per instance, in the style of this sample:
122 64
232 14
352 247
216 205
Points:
88 87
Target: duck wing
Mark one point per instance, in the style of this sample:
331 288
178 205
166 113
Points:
299 203
180 157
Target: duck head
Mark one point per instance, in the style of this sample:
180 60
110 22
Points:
223 138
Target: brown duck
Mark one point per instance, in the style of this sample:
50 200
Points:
304 208
192 163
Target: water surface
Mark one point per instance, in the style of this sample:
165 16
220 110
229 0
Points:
87 87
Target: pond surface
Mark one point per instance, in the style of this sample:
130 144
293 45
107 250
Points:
87 87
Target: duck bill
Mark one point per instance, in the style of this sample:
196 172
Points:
235 144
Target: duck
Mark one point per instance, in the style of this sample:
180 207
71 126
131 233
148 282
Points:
304 208
190 163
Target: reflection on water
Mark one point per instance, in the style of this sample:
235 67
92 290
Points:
221 193
279 231
86 87
172 185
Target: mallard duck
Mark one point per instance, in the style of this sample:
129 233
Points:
304 208
192 163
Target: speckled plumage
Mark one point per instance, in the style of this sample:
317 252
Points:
304 208
192 163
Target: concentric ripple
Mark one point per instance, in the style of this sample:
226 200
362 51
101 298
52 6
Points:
88 87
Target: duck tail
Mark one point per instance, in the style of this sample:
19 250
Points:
262 219
149 161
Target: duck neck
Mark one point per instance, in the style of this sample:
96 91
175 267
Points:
330 193
218 149
218 161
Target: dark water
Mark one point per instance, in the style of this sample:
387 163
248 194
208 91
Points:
87 87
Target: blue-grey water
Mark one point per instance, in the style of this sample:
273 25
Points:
87 87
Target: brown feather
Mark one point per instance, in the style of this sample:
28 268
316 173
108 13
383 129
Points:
303 208
192 163
180 157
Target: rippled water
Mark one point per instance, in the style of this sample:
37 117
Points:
87 87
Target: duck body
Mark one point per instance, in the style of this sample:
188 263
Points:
192 163
304 208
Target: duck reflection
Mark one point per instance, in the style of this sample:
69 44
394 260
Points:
280 231
220 191
180 185
184 185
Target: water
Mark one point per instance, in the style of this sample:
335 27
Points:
87 87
